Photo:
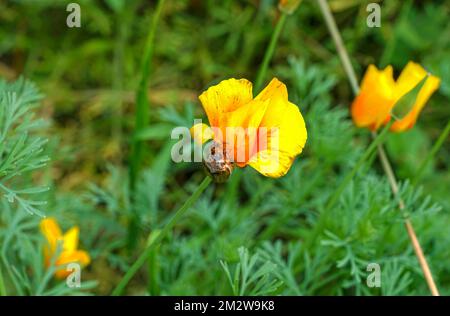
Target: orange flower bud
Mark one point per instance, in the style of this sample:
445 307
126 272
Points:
380 95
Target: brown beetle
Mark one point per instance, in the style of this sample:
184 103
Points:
217 162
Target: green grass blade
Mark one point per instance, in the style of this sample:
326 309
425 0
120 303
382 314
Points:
269 52
142 104
141 120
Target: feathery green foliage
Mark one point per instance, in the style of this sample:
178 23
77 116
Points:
21 147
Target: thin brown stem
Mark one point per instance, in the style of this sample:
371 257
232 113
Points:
345 59
411 233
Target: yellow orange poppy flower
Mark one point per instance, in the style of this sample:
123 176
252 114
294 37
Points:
380 95
266 132
68 244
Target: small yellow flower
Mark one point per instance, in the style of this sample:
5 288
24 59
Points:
68 244
380 95
267 132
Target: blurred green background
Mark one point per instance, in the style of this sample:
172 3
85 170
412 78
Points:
89 74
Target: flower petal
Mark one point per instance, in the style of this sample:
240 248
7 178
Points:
201 133
51 231
240 128
285 132
70 239
410 77
271 163
224 97
79 256
275 88
430 86
248 115
371 108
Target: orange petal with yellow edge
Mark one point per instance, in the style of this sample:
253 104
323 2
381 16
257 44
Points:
227 96
79 256
371 108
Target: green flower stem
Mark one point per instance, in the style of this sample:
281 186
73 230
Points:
320 225
155 241
439 142
153 268
343 55
269 52
122 21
